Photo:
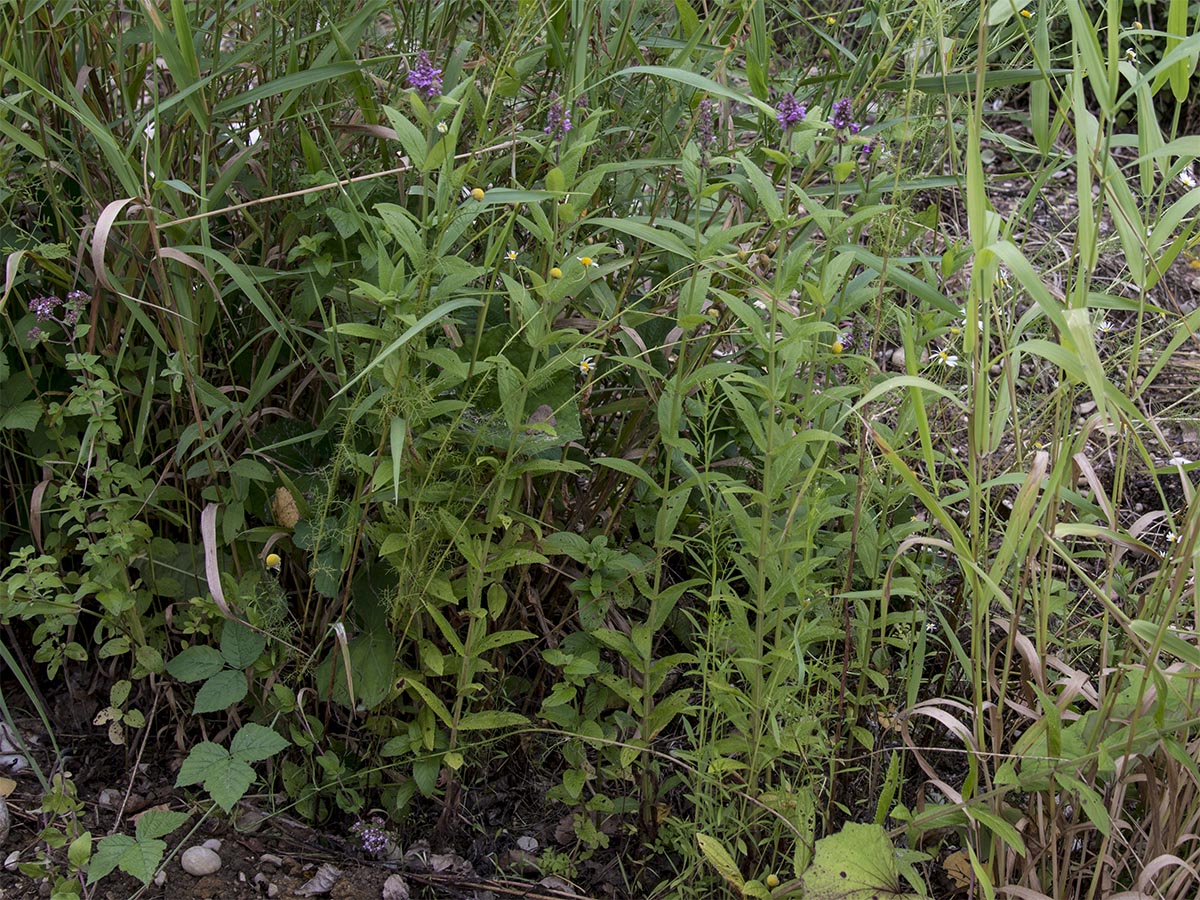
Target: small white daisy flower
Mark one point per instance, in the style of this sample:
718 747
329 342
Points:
946 358
587 365
1174 538
442 127
1105 327
1186 178
511 255
1131 55
588 262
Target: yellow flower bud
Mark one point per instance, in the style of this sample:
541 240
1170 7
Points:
772 880
477 193
274 561
556 272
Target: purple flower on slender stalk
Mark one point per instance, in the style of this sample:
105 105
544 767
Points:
43 307
706 138
424 77
34 335
76 301
558 119
867 150
789 112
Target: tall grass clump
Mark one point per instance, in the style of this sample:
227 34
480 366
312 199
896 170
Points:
749 444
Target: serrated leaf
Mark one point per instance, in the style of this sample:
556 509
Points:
108 855
22 415
857 863
253 743
196 664
137 858
231 785
241 645
721 860
204 760
221 691
156 823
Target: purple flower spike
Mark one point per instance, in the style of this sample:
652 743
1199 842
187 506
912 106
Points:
373 836
423 76
839 116
789 112
558 119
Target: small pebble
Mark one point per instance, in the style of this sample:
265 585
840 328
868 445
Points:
272 890
213 844
395 888
270 861
200 861
160 877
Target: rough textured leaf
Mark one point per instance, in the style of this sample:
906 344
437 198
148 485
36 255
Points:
256 742
221 691
156 823
205 760
196 664
231 786
714 851
137 858
240 645
857 863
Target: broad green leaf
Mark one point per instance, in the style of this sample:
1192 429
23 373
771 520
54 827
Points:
254 742
203 761
156 823
857 863
241 645
221 691
196 663
231 785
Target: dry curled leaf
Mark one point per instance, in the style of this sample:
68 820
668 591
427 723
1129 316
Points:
958 868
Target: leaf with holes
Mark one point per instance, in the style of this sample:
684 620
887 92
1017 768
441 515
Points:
857 863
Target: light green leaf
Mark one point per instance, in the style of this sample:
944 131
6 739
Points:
491 720
156 823
721 860
857 863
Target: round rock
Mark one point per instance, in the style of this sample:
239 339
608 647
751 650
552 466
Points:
200 861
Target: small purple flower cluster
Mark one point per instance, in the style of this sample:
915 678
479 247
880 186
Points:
789 112
424 77
45 309
839 118
558 119
372 836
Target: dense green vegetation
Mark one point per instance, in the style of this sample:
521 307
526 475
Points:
720 418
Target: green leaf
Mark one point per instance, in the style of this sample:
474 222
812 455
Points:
241 645
857 863
156 823
22 415
137 858
490 720
196 664
205 759
256 742
721 860
221 691
80 851
231 785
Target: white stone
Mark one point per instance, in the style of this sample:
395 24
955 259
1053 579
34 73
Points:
213 844
395 888
200 861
